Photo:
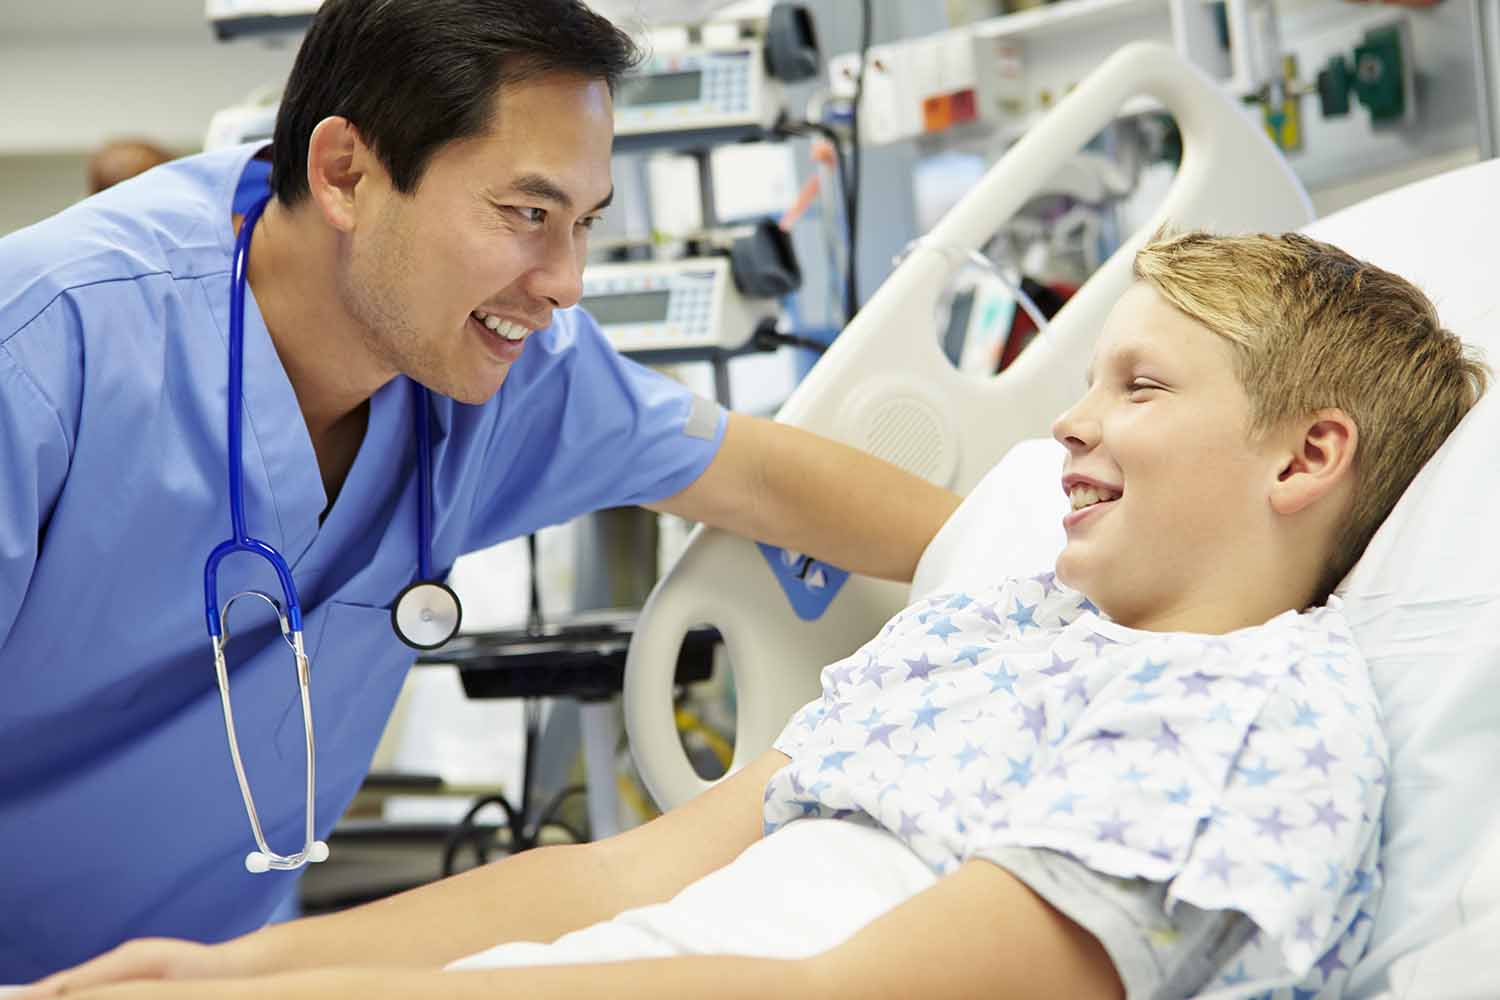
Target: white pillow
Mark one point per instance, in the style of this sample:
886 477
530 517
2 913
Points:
1424 601
1457 964
1010 525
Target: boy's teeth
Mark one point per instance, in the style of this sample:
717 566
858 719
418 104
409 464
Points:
1086 496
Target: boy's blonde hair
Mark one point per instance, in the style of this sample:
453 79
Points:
1314 328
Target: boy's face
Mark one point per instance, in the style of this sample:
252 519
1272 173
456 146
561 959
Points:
498 224
1169 493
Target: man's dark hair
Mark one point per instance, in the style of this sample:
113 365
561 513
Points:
414 75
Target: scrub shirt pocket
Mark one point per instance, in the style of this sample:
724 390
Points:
356 669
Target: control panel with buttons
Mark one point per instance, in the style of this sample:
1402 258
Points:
809 585
657 307
694 91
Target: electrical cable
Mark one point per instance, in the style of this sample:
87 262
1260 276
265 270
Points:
1025 301
534 612
787 126
848 166
767 338
851 283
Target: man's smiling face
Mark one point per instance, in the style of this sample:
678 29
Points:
449 280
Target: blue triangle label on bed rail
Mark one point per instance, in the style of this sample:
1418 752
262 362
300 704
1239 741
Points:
809 585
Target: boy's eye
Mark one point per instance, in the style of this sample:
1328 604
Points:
589 221
1140 385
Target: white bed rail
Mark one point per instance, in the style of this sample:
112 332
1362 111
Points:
886 386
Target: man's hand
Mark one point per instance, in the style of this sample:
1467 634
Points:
144 958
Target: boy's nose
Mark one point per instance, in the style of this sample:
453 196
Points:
1075 430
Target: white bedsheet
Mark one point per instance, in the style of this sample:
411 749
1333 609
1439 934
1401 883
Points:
796 893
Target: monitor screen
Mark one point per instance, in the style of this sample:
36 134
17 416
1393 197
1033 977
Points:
628 307
660 88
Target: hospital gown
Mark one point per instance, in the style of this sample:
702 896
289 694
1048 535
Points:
1242 772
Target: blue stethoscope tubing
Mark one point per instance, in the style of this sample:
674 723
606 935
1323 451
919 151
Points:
425 615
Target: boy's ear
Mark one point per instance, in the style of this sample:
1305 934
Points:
1320 460
337 159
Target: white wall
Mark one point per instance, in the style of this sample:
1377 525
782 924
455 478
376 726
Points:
34 187
75 73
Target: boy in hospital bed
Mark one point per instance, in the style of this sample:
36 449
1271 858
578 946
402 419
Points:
1171 786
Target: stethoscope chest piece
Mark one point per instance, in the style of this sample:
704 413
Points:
426 614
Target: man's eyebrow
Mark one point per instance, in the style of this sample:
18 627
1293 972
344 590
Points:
541 187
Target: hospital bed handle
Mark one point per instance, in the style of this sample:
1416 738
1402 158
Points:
885 386
787 657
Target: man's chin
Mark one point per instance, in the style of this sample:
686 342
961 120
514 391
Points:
472 391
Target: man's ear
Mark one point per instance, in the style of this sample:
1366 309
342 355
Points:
1320 459
337 160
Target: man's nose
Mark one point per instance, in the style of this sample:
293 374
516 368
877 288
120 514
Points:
559 276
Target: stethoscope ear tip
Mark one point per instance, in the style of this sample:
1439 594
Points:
257 862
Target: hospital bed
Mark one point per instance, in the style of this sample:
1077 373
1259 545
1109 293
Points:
1424 600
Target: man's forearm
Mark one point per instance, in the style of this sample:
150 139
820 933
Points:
780 484
722 977
848 507
534 896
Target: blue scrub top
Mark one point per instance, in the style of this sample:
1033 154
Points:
119 811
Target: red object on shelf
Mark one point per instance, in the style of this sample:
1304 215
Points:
963 105
1022 329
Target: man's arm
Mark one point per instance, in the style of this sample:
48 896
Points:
778 484
33 465
537 895
977 932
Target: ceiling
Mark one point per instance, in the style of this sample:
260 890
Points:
60 20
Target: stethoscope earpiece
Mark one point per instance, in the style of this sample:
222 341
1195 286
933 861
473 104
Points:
259 862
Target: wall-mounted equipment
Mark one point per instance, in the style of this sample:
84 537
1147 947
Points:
1380 77
699 306
706 93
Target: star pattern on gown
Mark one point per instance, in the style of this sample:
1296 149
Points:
1148 673
1247 769
943 628
1002 679
1058 666
1318 756
1022 616
920 668
970 653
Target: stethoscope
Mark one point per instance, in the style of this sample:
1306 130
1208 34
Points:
425 614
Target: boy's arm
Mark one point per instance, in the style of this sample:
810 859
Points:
534 896
977 932
786 486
